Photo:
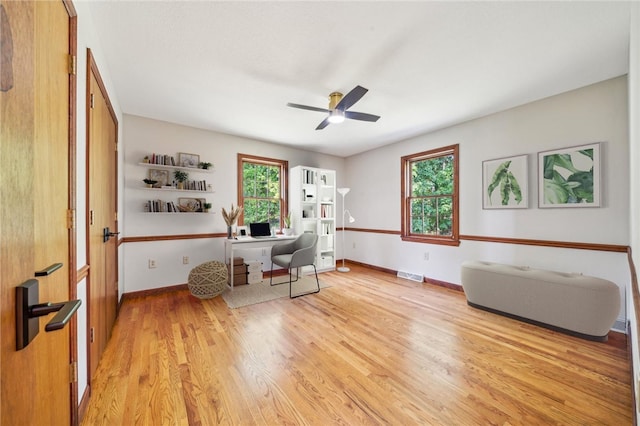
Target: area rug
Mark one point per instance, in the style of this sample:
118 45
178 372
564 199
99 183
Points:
250 294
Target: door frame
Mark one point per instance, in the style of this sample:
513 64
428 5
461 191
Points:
72 208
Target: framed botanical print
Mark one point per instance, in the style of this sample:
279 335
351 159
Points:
505 183
569 177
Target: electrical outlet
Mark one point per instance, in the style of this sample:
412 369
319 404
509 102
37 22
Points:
264 251
426 255
152 263
354 245
185 260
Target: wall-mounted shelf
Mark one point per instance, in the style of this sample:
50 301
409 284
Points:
174 189
164 177
162 166
178 213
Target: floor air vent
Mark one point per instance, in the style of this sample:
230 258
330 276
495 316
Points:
410 276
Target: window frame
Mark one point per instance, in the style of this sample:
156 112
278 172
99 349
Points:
284 181
405 202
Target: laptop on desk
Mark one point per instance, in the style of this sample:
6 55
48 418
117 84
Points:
260 230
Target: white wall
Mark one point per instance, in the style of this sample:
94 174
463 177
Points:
596 113
143 136
634 160
86 39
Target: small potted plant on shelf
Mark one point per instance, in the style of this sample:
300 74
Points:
150 182
205 165
180 177
206 207
287 230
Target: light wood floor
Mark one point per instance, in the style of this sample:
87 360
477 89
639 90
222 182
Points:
371 349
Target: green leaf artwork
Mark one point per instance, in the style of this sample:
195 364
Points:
569 178
504 180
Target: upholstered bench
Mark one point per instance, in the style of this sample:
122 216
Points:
576 304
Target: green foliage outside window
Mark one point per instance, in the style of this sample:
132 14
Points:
262 193
432 183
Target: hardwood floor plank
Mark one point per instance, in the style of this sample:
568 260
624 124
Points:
369 349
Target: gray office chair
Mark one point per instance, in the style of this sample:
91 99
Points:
295 254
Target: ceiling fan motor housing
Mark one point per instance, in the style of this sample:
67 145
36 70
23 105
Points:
334 98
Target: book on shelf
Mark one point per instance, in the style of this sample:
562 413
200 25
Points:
162 159
196 185
326 211
160 206
309 177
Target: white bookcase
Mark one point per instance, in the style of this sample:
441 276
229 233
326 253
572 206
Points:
312 202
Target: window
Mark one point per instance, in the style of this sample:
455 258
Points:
262 189
430 196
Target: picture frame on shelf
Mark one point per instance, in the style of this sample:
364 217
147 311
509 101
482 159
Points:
160 176
191 205
569 177
505 183
188 160
242 231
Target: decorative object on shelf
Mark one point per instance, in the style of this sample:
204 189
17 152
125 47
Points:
569 177
150 182
207 207
191 205
287 230
230 218
188 160
205 165
343 192
160 176
504 183
145 159
180 177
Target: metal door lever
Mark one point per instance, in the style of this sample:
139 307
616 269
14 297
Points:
106 234
28 311
48 270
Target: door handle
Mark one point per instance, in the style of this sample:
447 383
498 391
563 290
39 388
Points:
49 270
106 234
28 312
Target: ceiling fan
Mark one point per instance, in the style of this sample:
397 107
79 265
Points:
338 106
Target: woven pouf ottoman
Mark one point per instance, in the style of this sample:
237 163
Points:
208 280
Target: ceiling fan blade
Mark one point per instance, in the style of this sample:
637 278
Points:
351 98
310 108
324 124
361 116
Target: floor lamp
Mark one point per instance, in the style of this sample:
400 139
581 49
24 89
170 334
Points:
343 192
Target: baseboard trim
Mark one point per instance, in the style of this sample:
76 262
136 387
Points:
154 291
83 406
427 280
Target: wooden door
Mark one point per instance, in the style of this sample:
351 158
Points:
102 196
35 193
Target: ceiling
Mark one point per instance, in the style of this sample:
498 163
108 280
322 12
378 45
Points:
232 67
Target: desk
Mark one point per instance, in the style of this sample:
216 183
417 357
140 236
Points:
230 245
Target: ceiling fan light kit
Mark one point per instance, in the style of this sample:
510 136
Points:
336 116
338 105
